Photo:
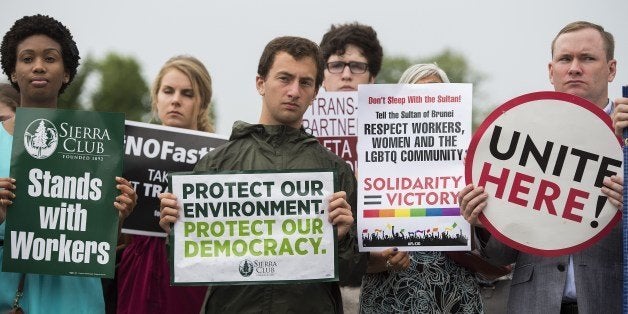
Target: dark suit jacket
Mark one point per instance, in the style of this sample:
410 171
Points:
538 282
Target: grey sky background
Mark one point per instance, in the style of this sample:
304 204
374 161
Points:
507 41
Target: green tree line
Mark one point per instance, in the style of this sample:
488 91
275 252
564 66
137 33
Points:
122 88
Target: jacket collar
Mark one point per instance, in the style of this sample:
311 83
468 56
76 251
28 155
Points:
280 133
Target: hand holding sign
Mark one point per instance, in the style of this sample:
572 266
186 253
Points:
544 174
6 185
613 188
390 259
472 201
340 214
396 260
620 115
169 210
126 201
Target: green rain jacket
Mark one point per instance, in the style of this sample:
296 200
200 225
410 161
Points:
278 147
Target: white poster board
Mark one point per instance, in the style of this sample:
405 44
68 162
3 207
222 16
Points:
412 142
244 228
542 157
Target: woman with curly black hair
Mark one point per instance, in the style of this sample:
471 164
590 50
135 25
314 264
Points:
40 58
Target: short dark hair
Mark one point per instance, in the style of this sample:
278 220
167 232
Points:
364 37
607 38
298 48
39 25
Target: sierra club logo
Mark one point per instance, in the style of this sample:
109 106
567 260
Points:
246 268
41 138
261 268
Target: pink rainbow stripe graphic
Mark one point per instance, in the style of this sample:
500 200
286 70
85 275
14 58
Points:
411 212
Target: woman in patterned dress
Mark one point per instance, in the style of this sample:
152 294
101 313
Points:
432 283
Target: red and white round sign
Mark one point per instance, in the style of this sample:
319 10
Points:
542 157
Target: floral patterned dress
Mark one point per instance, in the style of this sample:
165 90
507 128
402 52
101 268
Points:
432 284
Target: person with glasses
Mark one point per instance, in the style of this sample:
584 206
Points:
352 55
9 100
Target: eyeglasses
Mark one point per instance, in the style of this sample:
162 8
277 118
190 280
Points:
355 67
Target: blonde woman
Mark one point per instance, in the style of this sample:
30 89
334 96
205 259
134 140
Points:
180 97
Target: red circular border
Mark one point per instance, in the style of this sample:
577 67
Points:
523 99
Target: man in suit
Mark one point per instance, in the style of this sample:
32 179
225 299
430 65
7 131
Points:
588 281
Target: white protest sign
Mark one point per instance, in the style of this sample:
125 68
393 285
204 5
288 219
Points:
412 141
541 158
253 227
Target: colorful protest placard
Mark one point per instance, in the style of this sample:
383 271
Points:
412 141
542 158
62 221
332 118
151 152
253 227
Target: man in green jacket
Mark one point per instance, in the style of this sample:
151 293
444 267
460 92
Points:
290 73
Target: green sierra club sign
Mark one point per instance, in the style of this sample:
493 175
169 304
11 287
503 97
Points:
62 221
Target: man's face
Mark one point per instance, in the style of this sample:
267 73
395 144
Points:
39 70
287 90
579 66
346 80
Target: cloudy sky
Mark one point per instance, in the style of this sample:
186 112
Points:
507 41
